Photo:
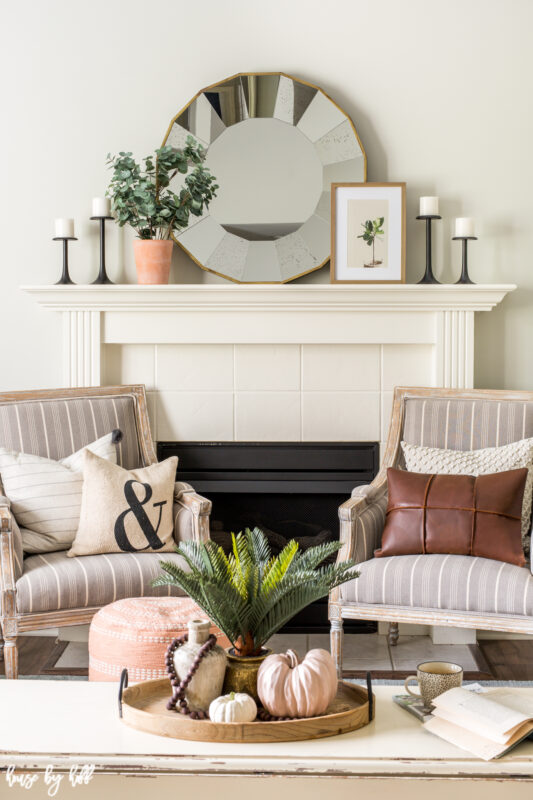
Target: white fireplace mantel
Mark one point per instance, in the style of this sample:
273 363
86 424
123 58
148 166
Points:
272 362
442 315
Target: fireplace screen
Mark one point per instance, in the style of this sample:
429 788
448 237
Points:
289 490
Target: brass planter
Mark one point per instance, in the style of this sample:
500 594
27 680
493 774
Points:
241 673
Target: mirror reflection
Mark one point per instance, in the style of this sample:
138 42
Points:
270 179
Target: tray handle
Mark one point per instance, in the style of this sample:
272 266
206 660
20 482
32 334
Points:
123 684
370 696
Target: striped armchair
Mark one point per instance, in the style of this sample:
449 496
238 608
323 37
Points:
462 591
51 590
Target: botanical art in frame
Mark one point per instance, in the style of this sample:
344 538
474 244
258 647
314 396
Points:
367 232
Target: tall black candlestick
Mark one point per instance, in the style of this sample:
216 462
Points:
65 277
428 275
102 275
465 277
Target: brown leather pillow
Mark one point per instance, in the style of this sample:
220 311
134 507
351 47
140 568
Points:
457 514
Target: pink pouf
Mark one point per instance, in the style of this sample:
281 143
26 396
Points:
135 633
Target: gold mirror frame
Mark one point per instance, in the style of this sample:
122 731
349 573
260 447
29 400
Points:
272 95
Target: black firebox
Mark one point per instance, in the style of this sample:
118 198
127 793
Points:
291 490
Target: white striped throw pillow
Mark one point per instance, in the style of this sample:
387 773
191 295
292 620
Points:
45 494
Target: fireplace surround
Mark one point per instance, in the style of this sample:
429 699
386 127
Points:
299 362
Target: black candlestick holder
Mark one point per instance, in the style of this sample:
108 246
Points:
65 277
428 275
102 275
465 277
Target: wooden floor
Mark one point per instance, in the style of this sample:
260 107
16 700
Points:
509 659
504 659
35 653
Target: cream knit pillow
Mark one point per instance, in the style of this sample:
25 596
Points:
45 494
125 511
434 460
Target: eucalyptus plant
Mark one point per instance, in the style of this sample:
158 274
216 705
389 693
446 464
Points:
249 594
141 195
372 230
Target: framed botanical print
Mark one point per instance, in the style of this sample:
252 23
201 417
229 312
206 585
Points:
367 232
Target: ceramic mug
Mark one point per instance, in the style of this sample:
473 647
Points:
434 678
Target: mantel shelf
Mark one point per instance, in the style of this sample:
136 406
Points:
356 297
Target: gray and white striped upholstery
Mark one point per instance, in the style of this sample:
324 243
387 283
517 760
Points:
56 428
448 582
465 424
369 524
53 582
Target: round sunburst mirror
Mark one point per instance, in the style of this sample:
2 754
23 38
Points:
275 145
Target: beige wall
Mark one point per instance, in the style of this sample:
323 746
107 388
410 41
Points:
439 92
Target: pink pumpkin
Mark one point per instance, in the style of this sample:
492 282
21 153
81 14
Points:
290 688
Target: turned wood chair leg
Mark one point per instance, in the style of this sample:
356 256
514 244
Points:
11 657
393 634
336 641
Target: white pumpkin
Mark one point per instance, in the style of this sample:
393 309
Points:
234 707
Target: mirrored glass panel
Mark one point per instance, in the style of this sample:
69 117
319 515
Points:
275 145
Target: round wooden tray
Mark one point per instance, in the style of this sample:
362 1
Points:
143 706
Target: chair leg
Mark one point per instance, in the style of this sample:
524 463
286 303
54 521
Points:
11 657
336 642
393 634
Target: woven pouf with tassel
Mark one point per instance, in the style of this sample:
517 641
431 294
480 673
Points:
136 632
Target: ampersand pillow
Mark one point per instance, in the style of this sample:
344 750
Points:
125 511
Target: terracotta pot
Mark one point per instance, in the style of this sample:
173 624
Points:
152 259
241 673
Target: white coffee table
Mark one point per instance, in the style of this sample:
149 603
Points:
65 723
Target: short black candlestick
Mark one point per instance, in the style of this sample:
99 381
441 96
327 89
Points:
465 277
102 275
428 275
65 277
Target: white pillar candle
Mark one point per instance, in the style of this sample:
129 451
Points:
464 226
64 228
429 206
101 207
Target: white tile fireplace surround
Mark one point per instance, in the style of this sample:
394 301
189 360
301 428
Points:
269 363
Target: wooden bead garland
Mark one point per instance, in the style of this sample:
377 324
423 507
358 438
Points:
179 687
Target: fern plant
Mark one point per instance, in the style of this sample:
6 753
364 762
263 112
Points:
249 594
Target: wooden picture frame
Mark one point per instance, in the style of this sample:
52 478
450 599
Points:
346 220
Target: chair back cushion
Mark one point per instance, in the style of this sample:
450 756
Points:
57 427
465 423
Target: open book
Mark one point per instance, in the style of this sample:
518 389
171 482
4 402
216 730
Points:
488 724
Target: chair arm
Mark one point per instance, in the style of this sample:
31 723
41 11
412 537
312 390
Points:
11 557
191 514
362 519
